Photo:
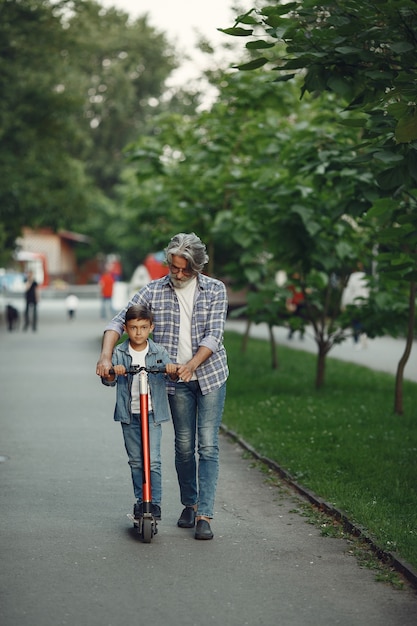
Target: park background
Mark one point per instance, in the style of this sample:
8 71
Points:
301 163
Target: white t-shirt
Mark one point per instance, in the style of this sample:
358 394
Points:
138 358
185 297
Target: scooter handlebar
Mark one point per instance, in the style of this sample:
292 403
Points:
135 369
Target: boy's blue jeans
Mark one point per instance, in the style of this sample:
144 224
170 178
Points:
197 417
133 443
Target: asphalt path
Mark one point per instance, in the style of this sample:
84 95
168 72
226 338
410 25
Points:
69 555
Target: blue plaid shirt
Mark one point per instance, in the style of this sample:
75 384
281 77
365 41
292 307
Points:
207 325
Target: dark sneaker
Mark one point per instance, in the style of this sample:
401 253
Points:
203 530
138 510
187 518
156 511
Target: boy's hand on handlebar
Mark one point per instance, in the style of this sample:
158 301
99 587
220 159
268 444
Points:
119 370
171 370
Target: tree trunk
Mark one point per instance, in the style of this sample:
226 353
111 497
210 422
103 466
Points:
273 347
321 365
398 402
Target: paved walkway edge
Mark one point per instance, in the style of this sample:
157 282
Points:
387 557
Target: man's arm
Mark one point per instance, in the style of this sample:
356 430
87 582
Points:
110 338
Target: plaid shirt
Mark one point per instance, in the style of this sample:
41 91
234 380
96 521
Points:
207 325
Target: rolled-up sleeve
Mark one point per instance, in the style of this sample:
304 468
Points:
212 317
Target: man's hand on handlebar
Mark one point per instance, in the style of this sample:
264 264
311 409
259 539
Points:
103 366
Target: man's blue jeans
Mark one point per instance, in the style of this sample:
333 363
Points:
133 443
197 418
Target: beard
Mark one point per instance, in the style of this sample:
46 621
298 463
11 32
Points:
180 283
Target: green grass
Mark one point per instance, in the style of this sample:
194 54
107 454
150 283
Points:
344 442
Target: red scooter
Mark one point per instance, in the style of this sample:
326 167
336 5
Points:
146 524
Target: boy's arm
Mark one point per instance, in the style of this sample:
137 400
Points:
104 363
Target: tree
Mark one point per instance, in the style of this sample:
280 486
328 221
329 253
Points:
122 65
246 174
36 175
77 84
273 186
365 53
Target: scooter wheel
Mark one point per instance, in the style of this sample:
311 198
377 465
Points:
147 530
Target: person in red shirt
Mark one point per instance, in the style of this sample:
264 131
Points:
295 305
106 283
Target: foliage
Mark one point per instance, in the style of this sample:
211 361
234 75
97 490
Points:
122 66
273 185
363 52
77 83
36 174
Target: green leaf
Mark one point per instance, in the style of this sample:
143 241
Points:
246 18
378 75
401 46
348 50
392 179
381 207
388 157
398 109
252 65
276 10
340 86
315 79
260 43
403 260
284 78
406 129
237 31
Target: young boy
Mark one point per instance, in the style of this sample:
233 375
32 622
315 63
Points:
140 350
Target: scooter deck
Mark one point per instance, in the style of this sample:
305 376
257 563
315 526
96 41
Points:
133 519
136 522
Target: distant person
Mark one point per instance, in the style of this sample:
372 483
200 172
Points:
106 282
32 299
356 293
295 305
139 349
71 303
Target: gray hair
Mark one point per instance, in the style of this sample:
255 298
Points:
191 248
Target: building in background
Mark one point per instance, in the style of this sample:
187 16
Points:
50 255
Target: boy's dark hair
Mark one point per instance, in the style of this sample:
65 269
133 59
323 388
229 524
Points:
139 312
